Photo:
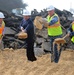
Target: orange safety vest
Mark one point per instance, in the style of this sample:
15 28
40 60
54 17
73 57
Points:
2 28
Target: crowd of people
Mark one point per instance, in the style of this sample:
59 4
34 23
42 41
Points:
54 31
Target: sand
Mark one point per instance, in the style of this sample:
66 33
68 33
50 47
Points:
14 62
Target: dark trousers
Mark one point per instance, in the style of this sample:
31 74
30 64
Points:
30 50
56 53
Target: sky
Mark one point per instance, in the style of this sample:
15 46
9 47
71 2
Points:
43 4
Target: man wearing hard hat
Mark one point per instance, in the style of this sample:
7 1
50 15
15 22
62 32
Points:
2 26
71 32
54 30
28 27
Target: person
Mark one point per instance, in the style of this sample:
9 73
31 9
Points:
54 30
70 31
2 30
28 27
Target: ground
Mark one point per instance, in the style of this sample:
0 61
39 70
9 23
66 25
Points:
14 62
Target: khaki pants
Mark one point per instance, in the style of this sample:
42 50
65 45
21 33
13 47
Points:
1 45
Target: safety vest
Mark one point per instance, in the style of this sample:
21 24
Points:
2 28
72 39
55 29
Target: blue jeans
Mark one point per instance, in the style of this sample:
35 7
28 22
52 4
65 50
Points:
56 53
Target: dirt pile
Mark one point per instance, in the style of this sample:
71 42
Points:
14 62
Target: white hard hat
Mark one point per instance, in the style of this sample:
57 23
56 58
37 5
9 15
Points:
1 15
50 8
26 13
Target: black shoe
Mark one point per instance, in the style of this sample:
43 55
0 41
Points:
46 51
32 59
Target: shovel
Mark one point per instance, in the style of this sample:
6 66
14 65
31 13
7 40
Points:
58 41
61 40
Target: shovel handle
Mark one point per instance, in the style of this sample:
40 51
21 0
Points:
65 36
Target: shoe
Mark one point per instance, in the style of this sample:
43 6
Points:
33 59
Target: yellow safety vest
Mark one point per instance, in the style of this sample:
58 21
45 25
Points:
2 28
55 29
72 39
